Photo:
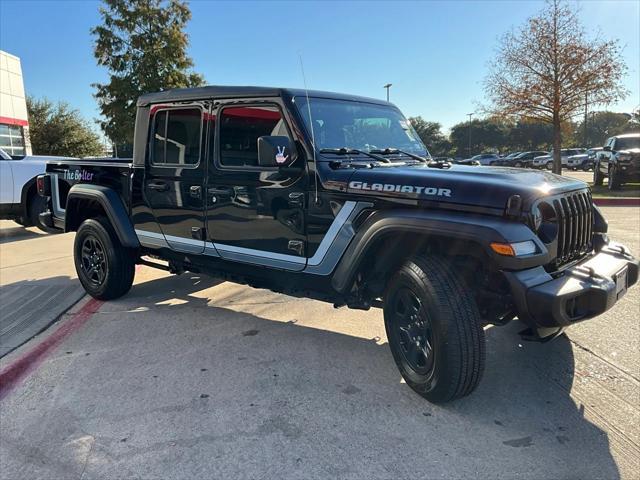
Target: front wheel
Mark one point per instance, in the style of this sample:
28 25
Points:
518 165
549 165
434 330
105 268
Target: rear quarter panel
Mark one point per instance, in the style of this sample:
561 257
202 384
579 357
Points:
113 174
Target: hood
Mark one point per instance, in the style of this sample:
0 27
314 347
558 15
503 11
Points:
487 187
632 151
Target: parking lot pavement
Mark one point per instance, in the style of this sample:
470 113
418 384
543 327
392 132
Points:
580 175
187 377
37 282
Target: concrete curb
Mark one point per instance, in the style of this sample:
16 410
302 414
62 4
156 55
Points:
17 370
617 202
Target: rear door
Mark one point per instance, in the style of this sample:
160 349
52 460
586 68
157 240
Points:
6 181
256 214
605 155
176 173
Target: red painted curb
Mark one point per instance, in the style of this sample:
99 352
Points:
15 372
618 202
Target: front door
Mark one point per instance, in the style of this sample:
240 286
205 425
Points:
256 214
176 173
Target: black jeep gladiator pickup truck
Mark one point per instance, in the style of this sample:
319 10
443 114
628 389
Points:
334 197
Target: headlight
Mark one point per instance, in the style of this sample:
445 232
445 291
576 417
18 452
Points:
545 222
624 157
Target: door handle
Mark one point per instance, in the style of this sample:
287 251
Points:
159 186
195 191
226 191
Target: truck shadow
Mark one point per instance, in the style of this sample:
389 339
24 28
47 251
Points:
13 234
521 421
183 368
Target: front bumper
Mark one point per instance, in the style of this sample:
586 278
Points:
583 291
630 169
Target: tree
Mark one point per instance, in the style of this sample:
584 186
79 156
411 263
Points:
486 135
431 135
530 134
143 45
548 69
59 130
601 125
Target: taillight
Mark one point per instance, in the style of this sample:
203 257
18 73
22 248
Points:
43 184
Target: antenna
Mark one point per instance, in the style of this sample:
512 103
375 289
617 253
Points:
313 136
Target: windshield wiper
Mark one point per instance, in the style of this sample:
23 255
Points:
354 151
391 151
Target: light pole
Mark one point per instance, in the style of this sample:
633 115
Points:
470 114
388 86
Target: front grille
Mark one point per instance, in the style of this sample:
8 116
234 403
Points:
574 213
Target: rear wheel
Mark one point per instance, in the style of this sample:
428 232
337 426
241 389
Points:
434 330
105 268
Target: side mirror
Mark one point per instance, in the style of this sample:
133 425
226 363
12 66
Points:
606 148
275 151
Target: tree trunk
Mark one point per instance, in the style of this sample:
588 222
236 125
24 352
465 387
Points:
557 145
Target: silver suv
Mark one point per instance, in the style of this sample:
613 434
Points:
546 161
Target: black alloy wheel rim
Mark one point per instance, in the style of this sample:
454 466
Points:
413 331
94 262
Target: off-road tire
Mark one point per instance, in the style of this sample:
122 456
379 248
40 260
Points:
598 179
119 262
458 341
37 205
614 178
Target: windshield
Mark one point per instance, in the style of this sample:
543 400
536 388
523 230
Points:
359 126
627 143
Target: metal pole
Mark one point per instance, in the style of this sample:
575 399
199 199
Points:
388 86
584 143
470 114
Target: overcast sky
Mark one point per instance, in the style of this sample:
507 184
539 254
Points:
434 53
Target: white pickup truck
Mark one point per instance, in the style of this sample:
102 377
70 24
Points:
19 200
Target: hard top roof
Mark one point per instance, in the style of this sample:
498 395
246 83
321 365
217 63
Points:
628 135
216 91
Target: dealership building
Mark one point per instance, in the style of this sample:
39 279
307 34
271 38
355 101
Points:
14 123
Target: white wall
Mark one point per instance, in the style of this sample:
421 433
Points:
13 106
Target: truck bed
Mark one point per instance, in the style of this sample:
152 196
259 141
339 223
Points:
114 173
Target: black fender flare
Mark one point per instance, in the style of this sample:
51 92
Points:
24 208
480 229
112 205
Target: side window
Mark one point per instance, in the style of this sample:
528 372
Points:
176 137
240 128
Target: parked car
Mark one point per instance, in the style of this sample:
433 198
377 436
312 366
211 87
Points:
619 161
506 159
19 199
486 158
467 161
445 251
546 161
524 159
